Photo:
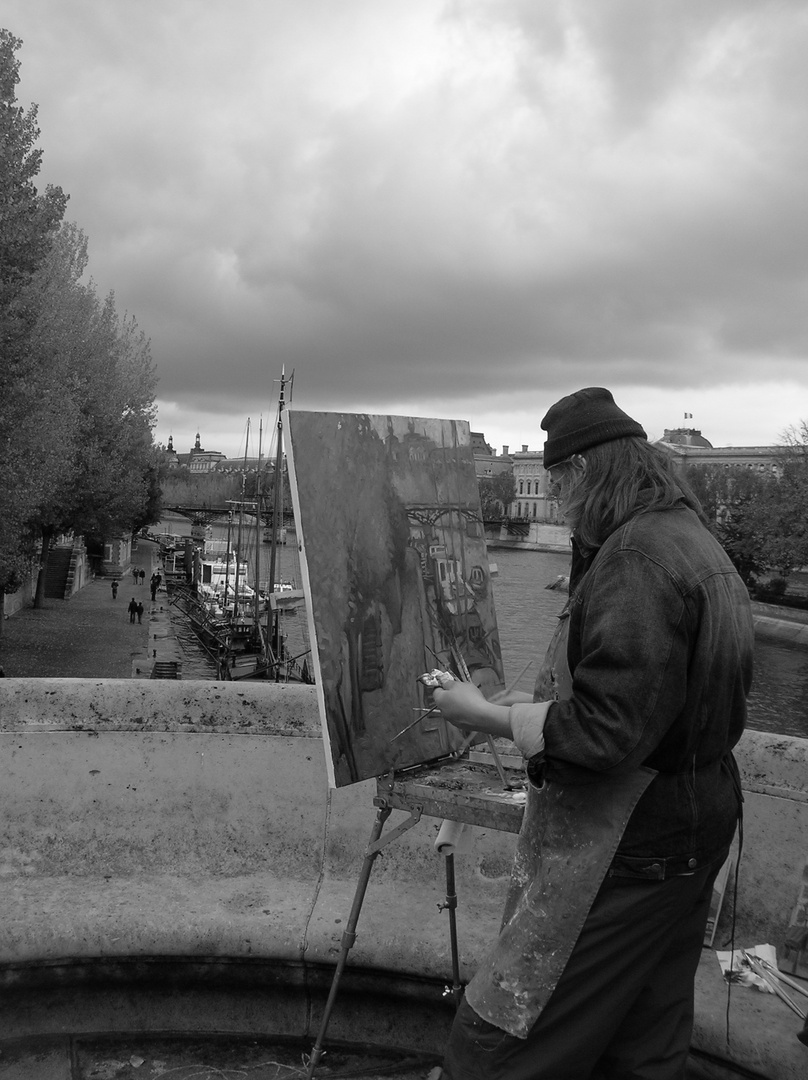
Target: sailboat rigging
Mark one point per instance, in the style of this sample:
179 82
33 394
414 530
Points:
240 624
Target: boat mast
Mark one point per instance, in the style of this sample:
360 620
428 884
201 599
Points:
277 502
241 517
273 627
257 598
227 556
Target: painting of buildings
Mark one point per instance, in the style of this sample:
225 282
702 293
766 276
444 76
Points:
397 580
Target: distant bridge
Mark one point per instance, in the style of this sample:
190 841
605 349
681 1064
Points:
205 514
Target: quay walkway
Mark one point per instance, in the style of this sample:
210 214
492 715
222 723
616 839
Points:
88 636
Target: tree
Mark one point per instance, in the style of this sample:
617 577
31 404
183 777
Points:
760 518
496 494
28 224
77 384
103 365
787 540
737 504
181 487
27 219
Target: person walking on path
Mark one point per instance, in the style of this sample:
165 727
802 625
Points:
132 609
86 637
634 794
142 575
135 573
153 587
114 588
139 610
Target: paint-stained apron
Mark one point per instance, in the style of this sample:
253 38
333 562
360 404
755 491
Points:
568 838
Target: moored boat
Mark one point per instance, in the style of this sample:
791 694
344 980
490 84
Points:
233 602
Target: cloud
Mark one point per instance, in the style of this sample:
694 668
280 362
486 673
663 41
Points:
436 208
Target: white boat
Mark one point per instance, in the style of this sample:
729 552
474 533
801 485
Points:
238 617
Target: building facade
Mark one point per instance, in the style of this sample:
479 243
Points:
532 499
688 447
487 463
197 460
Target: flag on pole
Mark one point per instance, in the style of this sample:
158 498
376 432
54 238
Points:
688 416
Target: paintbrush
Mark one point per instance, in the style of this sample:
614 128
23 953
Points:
772 982
417 720
474 734
777 974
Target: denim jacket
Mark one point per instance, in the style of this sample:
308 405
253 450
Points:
660 650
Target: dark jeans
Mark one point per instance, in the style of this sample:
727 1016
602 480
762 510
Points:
623 1008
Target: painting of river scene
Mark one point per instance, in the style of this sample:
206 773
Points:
395 571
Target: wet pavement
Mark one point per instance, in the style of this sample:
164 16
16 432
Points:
88 636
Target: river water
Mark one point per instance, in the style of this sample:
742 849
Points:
526 616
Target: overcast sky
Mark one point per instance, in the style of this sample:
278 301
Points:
455 209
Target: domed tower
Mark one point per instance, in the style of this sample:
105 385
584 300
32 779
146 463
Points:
686 437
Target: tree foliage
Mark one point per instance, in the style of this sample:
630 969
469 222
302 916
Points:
27 218
760 518
496 494
77 379
28 221
181 487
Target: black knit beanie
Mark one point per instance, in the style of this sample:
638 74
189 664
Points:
584 419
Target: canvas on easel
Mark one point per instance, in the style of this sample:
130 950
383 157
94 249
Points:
395 569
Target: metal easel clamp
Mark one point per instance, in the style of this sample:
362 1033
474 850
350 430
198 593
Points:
376 846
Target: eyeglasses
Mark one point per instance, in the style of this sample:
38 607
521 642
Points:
555 476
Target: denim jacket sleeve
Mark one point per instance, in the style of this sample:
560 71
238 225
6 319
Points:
629 645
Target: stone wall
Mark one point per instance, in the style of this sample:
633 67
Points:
190 826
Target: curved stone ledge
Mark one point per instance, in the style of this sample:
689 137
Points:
188 828
782 631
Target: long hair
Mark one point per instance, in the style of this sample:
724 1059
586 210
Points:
622 478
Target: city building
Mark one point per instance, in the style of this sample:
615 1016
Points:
170 455
688 447
532 501
199 460
487 462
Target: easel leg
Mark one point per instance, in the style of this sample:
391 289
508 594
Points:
374 848
349 937
451 906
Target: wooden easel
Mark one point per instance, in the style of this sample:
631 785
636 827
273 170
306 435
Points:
469 791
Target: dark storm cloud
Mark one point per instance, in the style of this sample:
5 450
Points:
434 208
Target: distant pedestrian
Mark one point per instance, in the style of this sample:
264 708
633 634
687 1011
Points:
142 575
135 573
114 588
153 587
139 610
132 609
159 577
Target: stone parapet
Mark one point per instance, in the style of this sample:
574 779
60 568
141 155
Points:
188 828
